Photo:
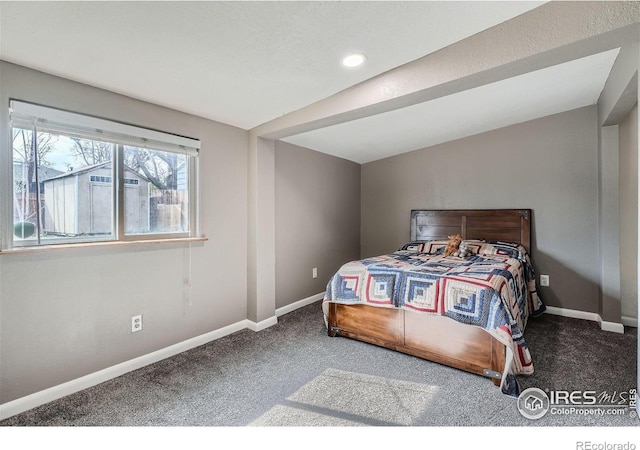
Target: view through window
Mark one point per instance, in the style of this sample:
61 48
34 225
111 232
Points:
64 190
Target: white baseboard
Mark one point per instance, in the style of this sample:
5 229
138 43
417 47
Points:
262 325
47 395
575 314
630 321
299 304
612 326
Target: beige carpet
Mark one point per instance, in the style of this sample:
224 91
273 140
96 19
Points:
340 398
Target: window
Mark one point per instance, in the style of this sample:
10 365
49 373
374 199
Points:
64 165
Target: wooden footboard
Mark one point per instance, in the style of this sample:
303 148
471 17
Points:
431 337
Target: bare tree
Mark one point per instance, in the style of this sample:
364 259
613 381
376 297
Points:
160 168
92 152
31 158
25 153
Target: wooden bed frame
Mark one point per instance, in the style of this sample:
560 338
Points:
431 337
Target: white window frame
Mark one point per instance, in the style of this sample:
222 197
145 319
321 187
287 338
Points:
43 118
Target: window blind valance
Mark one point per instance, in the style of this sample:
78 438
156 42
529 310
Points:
28 115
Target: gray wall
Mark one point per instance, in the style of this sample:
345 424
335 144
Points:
67 313
617 99
549 165
317 198
629 214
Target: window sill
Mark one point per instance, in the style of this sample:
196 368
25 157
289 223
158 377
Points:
54 247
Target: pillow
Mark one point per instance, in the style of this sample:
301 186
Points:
416 247
491 248
428 247
476 246
510 249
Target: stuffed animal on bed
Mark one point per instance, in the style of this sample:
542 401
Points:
452 246
463 250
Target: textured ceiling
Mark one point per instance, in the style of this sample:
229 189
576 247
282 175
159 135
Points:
247 63
530 96
240 63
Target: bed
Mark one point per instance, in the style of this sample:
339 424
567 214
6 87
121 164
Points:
469 312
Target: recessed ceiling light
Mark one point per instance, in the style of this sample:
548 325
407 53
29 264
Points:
353 60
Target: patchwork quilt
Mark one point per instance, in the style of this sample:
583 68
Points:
494 288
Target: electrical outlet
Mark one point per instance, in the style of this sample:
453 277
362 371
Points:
314 272
136 323
544 280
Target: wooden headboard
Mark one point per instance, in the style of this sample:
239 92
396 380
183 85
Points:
510 225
